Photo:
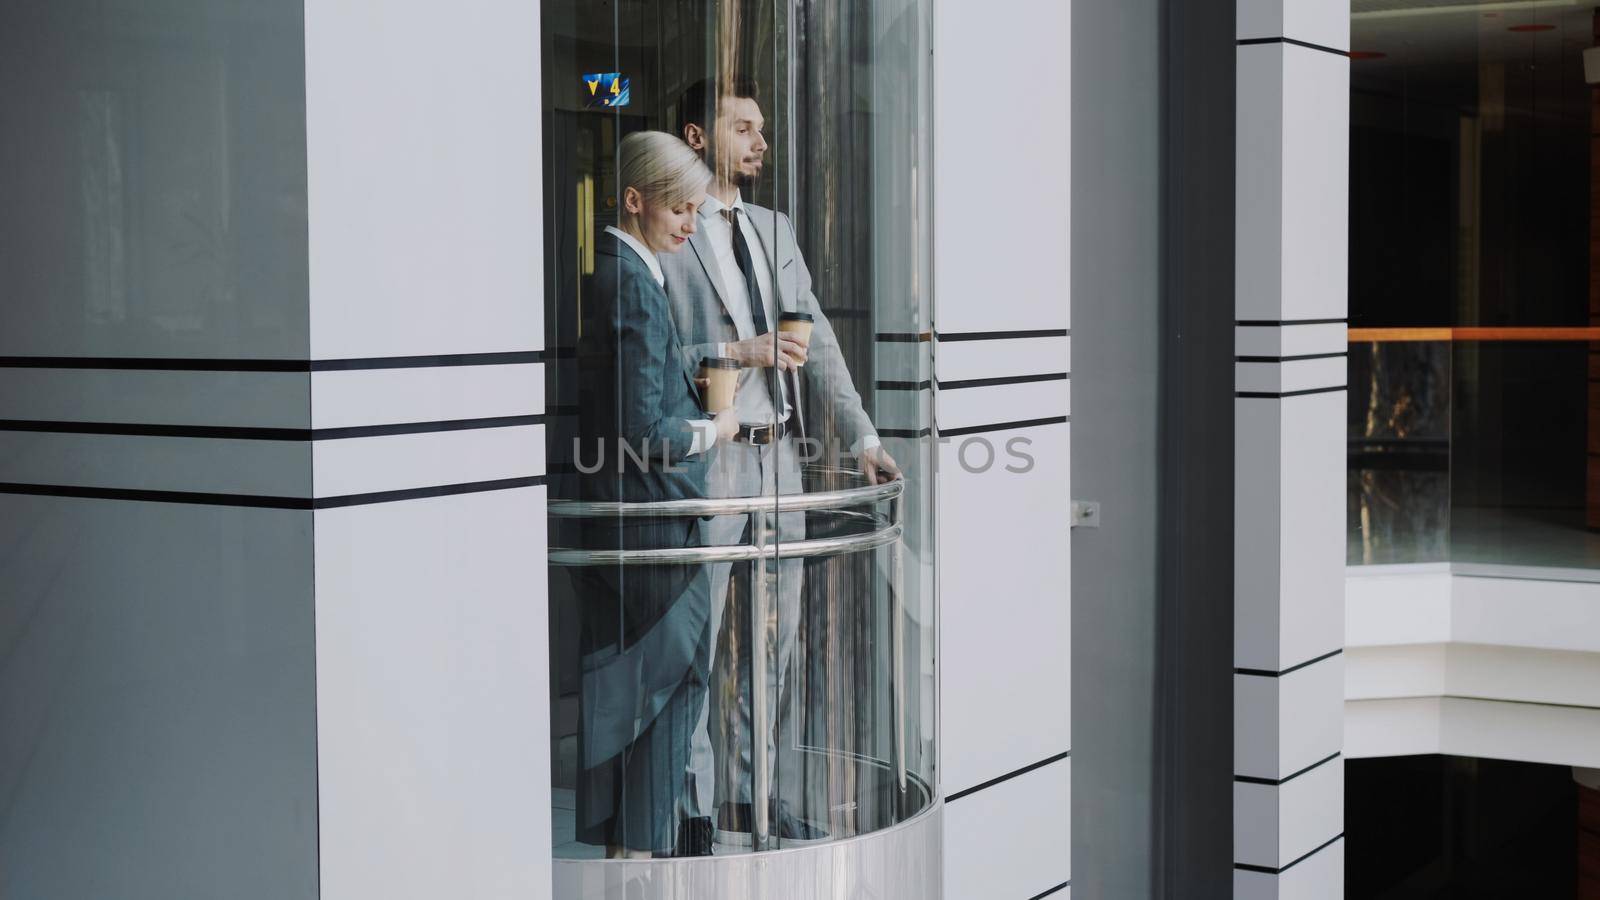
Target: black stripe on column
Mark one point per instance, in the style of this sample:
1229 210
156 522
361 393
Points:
250 433
1285 40
1274 782
1284 359
1005 379
905 432
1055 890
1008 776
184 364
948 336
904 385
1278 871
1268 673
1279 395
902 337
1281 323
1003 426
269 502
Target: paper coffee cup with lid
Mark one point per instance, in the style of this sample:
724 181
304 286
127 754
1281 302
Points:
797 324
722 377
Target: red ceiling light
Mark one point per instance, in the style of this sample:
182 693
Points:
1367 54
1526 28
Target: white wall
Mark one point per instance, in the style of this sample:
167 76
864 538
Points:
1501 667
423 159
1001 275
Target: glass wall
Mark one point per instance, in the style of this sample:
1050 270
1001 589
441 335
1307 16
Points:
1474 426
739 303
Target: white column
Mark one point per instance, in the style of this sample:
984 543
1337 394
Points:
1001 363
425 243
1291 239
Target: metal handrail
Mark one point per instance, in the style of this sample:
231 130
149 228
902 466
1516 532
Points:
730 506
761 547
835 546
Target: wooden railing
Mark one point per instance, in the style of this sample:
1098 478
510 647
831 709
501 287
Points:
1474 333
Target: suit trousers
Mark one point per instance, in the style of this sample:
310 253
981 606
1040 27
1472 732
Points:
721 760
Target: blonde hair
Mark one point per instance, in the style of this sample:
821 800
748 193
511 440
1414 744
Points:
662 168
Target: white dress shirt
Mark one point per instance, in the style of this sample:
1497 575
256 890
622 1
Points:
719 231
705 430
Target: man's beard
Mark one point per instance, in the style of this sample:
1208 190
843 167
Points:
743 179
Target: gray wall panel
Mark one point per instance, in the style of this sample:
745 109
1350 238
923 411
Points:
157 205
1116 246
157 701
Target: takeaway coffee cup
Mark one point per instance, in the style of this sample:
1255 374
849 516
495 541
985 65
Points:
722 376
796 324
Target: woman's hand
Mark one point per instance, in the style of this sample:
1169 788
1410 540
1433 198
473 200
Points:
727 423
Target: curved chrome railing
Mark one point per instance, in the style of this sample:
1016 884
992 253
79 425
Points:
733 506
888 534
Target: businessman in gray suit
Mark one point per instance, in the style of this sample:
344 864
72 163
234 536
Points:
743 271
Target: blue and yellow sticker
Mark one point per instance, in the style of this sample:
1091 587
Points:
605 89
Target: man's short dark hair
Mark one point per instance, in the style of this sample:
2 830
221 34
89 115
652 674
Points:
697 106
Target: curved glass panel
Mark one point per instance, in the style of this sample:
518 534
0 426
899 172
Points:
742 605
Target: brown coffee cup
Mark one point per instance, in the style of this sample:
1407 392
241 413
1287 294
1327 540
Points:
797 324
722 376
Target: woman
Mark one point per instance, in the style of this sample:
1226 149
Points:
643 437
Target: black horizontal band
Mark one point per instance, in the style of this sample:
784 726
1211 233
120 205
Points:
1284 40
1055 890
268 502
428 362
1283 359
1002 335
182 364
250 433
1251 779
1278 871
1278 395
905 385
1268 673
1007 379
1003 426
1007 776
905 432
902 337
1279 323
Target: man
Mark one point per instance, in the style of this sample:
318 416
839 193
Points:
742 272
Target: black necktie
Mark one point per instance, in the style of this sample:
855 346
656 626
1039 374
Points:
747 266
758 315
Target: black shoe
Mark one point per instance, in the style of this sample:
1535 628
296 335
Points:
694 837
734 824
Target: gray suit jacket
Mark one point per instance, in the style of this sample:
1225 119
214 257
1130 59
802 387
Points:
643 625
694 290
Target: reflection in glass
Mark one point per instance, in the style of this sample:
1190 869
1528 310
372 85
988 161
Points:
1518 456
1399 477
1473 178
790 573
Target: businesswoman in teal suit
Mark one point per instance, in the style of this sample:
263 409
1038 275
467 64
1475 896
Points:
643 436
